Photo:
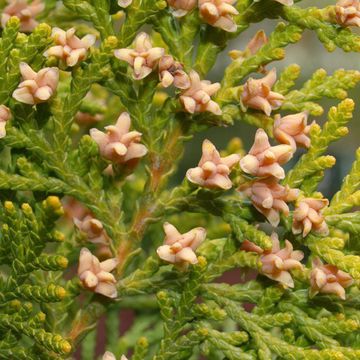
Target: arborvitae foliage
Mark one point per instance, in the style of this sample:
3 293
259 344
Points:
97 101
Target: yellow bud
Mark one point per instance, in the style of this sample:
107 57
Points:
119 15
226 227
331 160
235 54
159 98
21 39
16 304
44 28
15 53
352 324
318 111
60 292
294 69
162 295
297 37
41 316
28 306
161 5
13 21
202 261
9 206
344 236
315 129
52 61
26 208
143 342
203 308
320 74
59 236
112 41
348 104
63 262
287 317
340 316
279 53
53 201
55 204
220 313
75 128
338 243
342 131
281 26
65 347
203 331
